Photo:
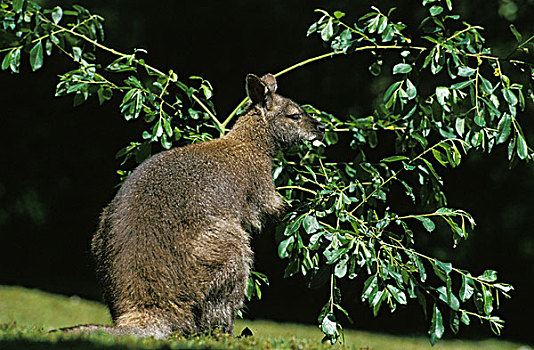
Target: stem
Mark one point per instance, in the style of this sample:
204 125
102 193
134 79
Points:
397 172
212 116
332 293
318 58
297 188
476 91
463 31
519 47
137 61
297 65
12 48
63 29
482 317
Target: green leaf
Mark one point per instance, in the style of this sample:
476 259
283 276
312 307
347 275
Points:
432 170
382 24
398 294
377 301
329 324
312 29
165 141
340 308
517 35
467 289
370 287
427 223
285 246
522 148
294 225
340 270
411 90
420 267
15 61
449 298
36 56
504 128
443 160
509 96
505 288
77 53
328 31
462 84
488 300
436 327
402 68
249 291
157 131
488 276
17 5
310 224
442 94
486 85
435 10
48 47
167 127
443 266
511 147
372 24
442 269
454 322
104 94
333 254
119 66
394 159
339 14
465 318
460 126
6 62
465 71
291 269
390 91
57 14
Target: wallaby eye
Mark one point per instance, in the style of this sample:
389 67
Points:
295 116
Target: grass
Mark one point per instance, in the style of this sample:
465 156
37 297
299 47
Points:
27 315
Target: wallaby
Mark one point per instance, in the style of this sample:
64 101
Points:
172 251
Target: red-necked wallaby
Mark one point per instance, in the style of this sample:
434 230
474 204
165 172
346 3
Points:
171 250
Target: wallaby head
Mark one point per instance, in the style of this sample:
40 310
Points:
286 122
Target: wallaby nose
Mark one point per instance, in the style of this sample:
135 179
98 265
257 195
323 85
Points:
321 127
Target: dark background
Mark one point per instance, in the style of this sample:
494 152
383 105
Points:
57 167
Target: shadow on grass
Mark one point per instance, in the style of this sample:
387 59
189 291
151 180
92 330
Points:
70 344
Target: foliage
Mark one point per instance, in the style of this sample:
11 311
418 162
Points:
448 95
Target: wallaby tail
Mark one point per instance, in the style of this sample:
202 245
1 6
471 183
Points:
136 331
86 328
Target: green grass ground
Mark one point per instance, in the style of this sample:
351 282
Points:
27 315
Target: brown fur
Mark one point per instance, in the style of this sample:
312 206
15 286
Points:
172 249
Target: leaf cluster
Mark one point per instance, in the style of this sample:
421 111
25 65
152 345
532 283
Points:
174 110
447 96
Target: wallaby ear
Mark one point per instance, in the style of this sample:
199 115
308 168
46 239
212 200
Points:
258 92
270 81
